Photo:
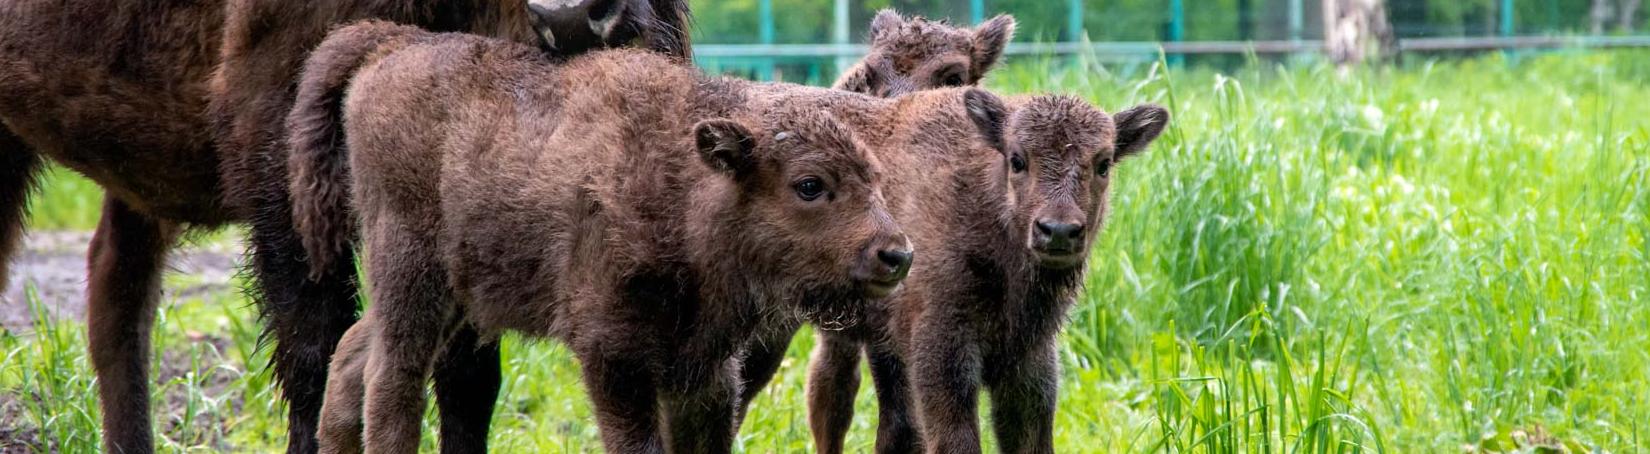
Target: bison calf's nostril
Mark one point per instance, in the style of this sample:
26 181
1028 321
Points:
1059 230
898 259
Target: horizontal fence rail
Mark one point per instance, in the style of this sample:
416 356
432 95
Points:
1139 48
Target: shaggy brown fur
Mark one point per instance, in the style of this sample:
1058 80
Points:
653 261
1002 261
917 54
130 94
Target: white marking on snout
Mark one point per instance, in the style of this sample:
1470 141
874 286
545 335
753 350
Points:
604 27
558 4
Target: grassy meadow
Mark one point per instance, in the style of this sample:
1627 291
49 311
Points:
1436 257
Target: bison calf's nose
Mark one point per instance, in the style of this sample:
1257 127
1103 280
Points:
1057 237
898 261
883 267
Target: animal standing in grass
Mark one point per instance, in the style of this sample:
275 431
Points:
175 109
666 213
906 54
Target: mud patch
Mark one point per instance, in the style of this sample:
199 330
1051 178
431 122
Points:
51 270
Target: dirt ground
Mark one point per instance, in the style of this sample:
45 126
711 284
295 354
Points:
52 265
52 268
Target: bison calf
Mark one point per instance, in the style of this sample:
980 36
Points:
622 203
906 54
910 54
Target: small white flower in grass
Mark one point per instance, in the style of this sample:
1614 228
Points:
1374 117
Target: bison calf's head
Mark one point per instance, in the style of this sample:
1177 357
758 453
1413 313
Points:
811 210
1060 152
913 54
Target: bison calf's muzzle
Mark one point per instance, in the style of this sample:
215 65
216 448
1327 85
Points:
883 265
1058 241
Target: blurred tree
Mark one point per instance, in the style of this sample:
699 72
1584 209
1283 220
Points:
1357 30
1624 12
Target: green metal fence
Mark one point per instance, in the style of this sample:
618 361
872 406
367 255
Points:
809 40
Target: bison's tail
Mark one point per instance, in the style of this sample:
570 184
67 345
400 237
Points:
318 164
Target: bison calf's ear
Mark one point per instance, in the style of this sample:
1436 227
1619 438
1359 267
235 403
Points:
1138 127
725 145
989 114
990 38
887 20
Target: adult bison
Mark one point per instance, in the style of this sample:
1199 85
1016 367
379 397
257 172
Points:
176 109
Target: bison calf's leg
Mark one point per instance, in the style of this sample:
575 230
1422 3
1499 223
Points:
761 360
624 397
896 430
466 388
341 424
832 383
946 384
1023 396
18 166
699 412
412 312
126 259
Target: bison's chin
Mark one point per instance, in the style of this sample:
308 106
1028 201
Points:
834 310
1060 260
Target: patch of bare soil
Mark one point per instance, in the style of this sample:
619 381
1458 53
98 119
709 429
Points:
51 271
53 266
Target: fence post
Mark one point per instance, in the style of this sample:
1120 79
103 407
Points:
765 32
839 33
1507 27
1074 20
976 11
1297 25
1177 29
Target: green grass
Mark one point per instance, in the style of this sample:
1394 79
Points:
1414 259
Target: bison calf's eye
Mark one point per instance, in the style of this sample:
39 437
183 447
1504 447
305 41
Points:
1103 167
1018 163
809 188
954 80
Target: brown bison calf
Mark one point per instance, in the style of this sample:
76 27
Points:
910 54
620 202
906 55
993 317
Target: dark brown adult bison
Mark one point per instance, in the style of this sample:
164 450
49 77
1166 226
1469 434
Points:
670 212
176 109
